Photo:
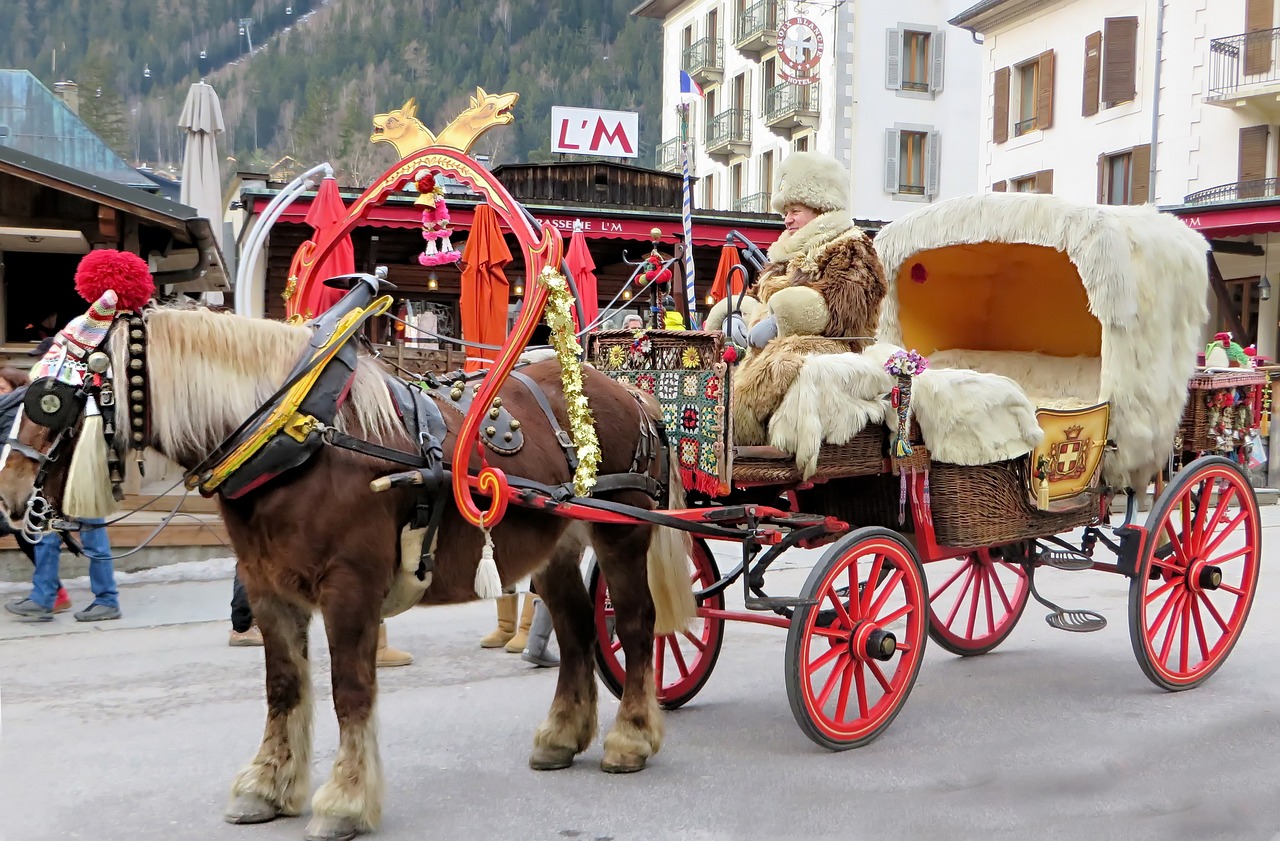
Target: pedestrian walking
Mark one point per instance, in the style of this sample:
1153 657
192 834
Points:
45 582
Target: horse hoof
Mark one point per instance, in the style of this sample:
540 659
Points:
331 828
550 759
250 808
622 763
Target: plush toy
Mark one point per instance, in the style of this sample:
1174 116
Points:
435 223
1223 352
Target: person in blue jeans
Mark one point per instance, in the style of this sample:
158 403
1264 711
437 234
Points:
45 583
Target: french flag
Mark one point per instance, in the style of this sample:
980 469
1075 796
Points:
690 92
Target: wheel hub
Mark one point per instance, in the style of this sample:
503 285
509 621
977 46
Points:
1204 576
869 642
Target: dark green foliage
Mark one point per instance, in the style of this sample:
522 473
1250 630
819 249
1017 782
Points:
311 87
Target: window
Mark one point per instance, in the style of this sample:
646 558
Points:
802 143
1117 176
1111 65
709 192
1124 176
686 40
1028 88
1036 182
1024 185
713 23
768 78
766 172
911 161
913 59
736 186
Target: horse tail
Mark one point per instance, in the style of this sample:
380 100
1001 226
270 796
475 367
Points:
669 549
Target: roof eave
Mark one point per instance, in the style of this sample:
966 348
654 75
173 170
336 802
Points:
990 15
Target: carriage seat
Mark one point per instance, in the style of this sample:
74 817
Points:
1050 382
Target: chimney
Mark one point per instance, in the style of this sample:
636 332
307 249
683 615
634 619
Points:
68 92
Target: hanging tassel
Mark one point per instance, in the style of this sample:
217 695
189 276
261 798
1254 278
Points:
901 447
488 582
902 495
88 491
1042 484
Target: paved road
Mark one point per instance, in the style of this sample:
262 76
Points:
134 730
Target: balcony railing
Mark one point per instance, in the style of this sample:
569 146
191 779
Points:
788 105
729 132
1239 61
669 155
704 59
756 29
754 203
1263 188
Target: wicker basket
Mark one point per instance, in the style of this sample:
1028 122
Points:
989 505
863 455
1196 432
859 501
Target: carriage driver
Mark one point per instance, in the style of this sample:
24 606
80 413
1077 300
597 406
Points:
820 292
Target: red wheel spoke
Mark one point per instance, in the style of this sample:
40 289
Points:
1222 535
889 586
1164 588
841 611
842 704
965 566
831 654
831 678
964 591
872 579
1172 568
904 648
1175 541
1169 604
660 660
1172 632
879 675
1200 635
832 633
1235 591
615 646
974 599
696 577
1197 533
859 678
999 588
1184 646
1239 553
1184 505
895 616
677 655
1223 502
695 641
1213 611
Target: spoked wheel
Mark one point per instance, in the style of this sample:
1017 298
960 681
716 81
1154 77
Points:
1197 574
853 657
978 603
681 662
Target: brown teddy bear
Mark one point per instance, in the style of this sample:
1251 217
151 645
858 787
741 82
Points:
820 292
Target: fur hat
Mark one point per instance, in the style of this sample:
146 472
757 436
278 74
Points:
811 179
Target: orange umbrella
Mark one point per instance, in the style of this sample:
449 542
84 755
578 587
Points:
485 291
728 259
583 269
327 210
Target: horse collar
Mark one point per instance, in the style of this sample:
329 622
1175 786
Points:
136 367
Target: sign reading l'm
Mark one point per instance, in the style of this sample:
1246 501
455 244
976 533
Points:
590 131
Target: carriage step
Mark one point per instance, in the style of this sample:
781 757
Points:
775 602
1079 621
1064 559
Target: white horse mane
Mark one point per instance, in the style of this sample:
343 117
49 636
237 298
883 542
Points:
207 372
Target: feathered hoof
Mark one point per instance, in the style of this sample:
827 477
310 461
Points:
622 763
250 808
332 828
550 758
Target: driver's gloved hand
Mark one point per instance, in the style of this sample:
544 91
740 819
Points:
763 331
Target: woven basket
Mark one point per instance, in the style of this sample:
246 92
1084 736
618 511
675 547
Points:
863 455
989 505
670 350
859 501
1195 430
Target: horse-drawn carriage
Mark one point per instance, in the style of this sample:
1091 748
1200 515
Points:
1060 341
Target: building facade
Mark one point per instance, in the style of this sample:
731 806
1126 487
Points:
884 88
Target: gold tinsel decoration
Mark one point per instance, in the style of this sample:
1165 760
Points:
581 422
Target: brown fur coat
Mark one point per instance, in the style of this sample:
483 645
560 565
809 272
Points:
835 259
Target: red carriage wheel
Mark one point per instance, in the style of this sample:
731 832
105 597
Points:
853 656
682 662
1197 574
976 603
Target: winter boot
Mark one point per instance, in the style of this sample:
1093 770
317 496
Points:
500 636
517 643
388 656
538 650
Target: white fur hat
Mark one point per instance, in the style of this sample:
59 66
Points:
811 179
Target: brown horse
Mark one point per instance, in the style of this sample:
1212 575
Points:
318 538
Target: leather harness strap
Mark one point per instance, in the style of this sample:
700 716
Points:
566 443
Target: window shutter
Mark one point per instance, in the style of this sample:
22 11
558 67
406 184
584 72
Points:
1044 94
1140 174
1259 16
1092 72
932 152
1000 187
893 59
1044 181
1000 129
892 144
1253 159
1102 179
938 42
1120 62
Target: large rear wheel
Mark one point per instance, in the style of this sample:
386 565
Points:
682 662
1197 574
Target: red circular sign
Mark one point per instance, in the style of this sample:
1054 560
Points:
799 44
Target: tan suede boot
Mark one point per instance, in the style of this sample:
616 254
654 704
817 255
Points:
521 639
388 656
500 636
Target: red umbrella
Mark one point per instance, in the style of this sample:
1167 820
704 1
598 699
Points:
327 210
485 291
728 259
583 269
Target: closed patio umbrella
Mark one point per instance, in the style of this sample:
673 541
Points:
327 211
583 268
485 291
721 286
201 184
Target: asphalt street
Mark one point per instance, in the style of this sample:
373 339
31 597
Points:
134 729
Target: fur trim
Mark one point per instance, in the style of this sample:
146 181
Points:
762 381
799 310
819 232
1131 260
812 179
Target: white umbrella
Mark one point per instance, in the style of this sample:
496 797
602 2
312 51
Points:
201 185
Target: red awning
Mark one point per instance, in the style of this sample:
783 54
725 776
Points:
1233 221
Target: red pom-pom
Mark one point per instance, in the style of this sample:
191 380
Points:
124 273
918 273
730 354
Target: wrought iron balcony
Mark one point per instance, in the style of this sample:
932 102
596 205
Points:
756 28
669 155
1263 188
788 106
754 203
729 133
1239 63
704 60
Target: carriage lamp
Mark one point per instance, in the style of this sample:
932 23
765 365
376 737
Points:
519 289
433 282
626 294
1264 289
711 301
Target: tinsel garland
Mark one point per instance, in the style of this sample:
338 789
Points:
569 352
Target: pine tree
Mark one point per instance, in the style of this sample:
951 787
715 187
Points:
101 105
